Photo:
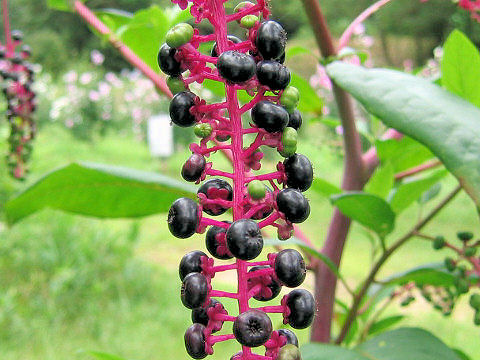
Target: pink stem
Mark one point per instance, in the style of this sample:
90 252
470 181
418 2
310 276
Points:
270 176
219 293
270 220
213 339
207 221
213 172
223 317
6 28
221 268
418 169
260 272
272 309
254 291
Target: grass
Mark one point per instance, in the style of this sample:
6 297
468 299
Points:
71 284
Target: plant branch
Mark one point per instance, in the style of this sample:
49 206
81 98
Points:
418 169
373 272
6 27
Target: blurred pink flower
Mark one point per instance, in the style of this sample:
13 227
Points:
70 76
97 57
69 123
104 89
94 96
86 78
408 65
321 79
359 29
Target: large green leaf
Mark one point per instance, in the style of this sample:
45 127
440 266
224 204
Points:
369 210
461 67
309 99
325 188
385 323
445 123
429 274
403 154
318 351
100 191
381 181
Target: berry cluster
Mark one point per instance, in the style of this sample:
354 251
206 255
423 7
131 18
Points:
18 76
254 65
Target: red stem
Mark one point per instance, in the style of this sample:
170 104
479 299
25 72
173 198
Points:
417 169
6 27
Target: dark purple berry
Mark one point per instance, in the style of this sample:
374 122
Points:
269 116
302 308
183 218
193 168
270 287
195 341
17 35
299 172
180 109
216 189
244 239
271 40
216 243
26 50
191 263
200 316
194 290
289 335
273 74
236 67
167 62
252 328
290 267
294 205
295 120
232 39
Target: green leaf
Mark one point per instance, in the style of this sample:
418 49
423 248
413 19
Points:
297 50
461 67
403 154
385 323
325 188
381 182
318 351
369 210
99 190
63 5
114 18
309 99
445 123
412 189
104 356
429 274
461 354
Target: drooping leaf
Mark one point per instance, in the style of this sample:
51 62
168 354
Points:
429 274
445 123
63 5
461 354
385 323
99 190
325 188
309 99
381 181
318 351
369 210
461 67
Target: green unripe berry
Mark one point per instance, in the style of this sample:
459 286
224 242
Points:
475 301
447 313
438 243
242 5
470 251
248 21
289 352
175 85
179 35
202 130
287 151
450 264
462 286
462 269
290 98
256 189
289 137
473 278
476 319
465 235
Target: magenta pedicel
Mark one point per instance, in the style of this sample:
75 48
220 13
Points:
253 64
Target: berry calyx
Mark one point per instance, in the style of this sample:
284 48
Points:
244 239
256 189
236 67
294 205
270 288
273 74
290 98
289 335
290 267
252 328
193 168
271 39
195 341
295 120
180 109
202 130
191 263
175 84
302 308
269 116
167 61
289 352
232 39
194 290
183 218
299 172
216 243
216 189
179 35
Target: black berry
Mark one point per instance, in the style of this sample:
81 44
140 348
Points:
180 109
271 40
273 74
183 218
194 290
244 239
295 120
299 172
191 263
294 205
289 335
200 316
216 243
193 168
167 62
216 189
267 282
290 267
195 341
232 39
252 328
269 116
302 308
236 67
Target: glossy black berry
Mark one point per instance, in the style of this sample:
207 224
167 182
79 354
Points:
244 239
236 67
216 189
17 35
271 40
194 290
193 168
191 263
252 328
167 62
200 316
302 308
195 341
295 120
289 335
273 74
290 267
299 172
216 243
267 281
269 116
294 205
183 218
232 39
180 109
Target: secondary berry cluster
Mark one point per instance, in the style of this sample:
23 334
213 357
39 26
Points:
17 77
255 65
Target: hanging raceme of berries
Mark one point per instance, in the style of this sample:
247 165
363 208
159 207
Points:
254 64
